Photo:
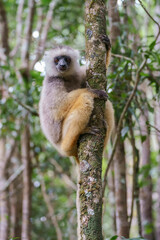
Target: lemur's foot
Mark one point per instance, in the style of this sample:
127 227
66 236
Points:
105 39
101 94
91 130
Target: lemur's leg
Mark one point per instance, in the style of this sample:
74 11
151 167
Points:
75 122
109 118
77 119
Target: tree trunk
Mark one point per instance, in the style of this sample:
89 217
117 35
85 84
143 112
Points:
4 29
146 191
4 205
135 185
157 124
91 147
111 187
120 191
119 157
13 210
26 159
26 202
114 21
15 207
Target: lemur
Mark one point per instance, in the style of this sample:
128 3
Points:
65 107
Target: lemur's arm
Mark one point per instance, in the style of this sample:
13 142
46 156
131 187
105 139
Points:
71 98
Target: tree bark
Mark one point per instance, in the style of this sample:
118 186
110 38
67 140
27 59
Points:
135 185
119 157
26 202
111 187
4 205
114 21
120 191
15 198
25 144
4 29
91 147
27 35
146 191
157 123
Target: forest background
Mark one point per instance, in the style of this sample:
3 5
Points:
37 185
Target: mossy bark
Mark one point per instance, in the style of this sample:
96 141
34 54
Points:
91 146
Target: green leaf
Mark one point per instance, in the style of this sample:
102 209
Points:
151 46
114 237
143 138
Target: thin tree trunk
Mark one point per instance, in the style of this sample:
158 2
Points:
4 205
114 21
26 159
4 29
146 191
120 191
111 187
91 147
135 185
157 123
119 157
5 157
26 202
15 208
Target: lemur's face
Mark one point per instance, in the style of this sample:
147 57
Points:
62 63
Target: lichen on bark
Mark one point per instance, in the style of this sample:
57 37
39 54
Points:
91 146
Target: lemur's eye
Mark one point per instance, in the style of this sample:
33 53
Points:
56 60
68 59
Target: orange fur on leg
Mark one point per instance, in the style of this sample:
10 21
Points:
75 122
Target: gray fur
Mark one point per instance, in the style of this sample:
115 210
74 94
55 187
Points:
56 85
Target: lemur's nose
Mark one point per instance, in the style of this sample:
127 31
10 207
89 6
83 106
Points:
62 64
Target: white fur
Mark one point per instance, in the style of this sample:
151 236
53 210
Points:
59 51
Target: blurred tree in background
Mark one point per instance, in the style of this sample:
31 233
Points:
37 186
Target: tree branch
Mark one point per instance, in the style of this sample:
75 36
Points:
151 18
50 206
118 131
12 178
65 177
124 57
43 37
10 153
27 35
18 28
40 19
27 107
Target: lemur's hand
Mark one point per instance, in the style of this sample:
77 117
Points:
105 39
101 94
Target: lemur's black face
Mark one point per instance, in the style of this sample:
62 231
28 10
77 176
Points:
62 63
